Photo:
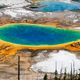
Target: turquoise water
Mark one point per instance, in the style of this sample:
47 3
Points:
51 6
37 35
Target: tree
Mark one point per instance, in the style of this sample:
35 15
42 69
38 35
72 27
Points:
45 77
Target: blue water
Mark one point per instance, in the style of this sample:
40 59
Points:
37 35
49 6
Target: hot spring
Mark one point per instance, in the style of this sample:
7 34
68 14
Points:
35 35
52 6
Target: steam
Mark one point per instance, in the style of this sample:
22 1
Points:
60 60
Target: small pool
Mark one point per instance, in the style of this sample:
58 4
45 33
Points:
51 6
26 34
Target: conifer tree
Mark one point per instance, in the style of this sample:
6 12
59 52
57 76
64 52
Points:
45 77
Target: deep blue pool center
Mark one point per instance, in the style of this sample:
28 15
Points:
26 34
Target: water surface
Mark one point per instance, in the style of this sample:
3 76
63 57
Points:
52 6
26 34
